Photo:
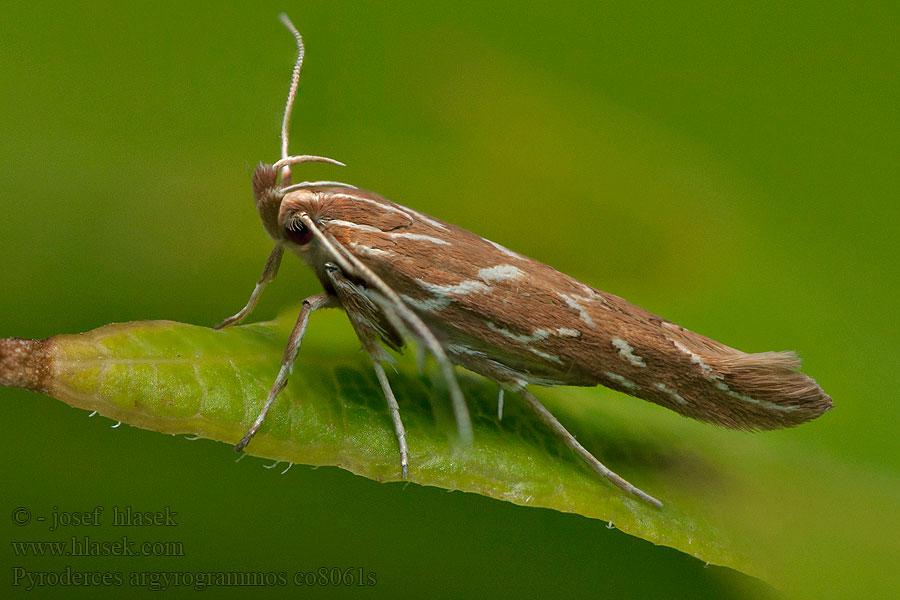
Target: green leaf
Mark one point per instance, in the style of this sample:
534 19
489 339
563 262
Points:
728 499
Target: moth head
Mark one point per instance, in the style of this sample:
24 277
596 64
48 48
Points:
280 204
268 195
280 207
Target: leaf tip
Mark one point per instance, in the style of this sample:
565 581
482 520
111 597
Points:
24 363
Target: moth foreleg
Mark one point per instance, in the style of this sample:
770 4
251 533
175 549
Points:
287 362
553 423
269 273
395 416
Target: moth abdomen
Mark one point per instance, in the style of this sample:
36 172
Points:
702 379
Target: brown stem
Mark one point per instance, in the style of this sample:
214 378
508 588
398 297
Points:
24 363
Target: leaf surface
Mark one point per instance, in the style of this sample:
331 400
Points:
730 499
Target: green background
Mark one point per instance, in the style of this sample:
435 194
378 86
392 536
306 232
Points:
733 169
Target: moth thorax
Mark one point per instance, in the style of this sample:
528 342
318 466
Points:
267 194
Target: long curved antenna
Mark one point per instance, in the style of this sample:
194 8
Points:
286 159
295 81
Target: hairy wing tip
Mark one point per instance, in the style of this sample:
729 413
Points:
763 362
766 391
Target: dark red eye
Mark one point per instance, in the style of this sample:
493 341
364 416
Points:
298 233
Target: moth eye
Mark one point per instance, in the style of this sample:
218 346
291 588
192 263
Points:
298 232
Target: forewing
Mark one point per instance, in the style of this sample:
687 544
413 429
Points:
517 320
481 299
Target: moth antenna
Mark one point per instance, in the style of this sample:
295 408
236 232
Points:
417 325
292 93
286 159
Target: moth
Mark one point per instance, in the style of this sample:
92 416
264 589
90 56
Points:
401 275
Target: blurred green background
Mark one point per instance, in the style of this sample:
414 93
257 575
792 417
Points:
733 169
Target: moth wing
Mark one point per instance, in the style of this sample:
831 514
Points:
512 318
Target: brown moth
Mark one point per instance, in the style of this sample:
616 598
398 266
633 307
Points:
400 274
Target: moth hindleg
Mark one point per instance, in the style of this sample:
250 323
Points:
395 416
287 361
269 273
370 326
393 308
553 423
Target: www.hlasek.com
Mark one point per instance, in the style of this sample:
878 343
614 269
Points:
197 580
85 545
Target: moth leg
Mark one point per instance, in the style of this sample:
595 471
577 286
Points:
395 416
368 325
287 362
269 273
547 417
395 310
